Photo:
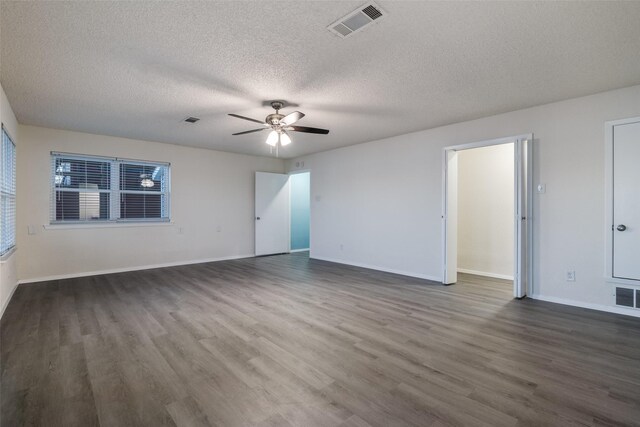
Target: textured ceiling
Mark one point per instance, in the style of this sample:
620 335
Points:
136 69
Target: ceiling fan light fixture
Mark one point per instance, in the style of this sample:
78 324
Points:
284 139
272 139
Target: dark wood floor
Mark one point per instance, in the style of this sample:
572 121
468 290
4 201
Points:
288 341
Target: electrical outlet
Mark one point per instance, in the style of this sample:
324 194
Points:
571 276
341 246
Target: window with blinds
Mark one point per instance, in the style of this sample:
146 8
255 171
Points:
7 193
89 189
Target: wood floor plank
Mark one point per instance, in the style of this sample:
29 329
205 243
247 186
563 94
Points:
291 341
187 413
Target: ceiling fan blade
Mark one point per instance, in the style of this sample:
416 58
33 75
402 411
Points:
247 118
290 119
249 131
309 130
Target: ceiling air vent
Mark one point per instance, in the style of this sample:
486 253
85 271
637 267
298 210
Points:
357 20
372 12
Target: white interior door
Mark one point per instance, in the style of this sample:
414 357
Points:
450 217
522 221
272 213
626 201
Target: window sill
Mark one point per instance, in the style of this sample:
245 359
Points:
5 257
122 224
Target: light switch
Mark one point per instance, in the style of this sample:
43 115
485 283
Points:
31 229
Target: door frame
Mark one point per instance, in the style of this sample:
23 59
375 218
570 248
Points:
608 199
523 211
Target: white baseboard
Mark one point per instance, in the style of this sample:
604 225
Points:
6 303
600 307
486 274
299 250
134 268
377 268
564 301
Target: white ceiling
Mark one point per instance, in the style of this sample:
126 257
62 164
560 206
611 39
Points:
136 69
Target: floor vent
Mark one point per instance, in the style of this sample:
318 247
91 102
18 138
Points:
357 20
628 297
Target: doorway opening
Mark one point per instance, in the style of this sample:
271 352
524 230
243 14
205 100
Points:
486 215
472 226
282 213
300 187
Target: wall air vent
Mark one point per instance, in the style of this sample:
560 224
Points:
357 20
628 297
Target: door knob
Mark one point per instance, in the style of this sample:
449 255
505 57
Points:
621 227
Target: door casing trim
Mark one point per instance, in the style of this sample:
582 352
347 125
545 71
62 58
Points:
520 191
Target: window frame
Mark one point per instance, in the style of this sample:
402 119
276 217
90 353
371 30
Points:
10 194
114 191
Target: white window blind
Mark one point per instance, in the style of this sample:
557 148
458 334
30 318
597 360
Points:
7 193
90 188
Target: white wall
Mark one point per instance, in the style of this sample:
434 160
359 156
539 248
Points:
209 189
382 200
8 267
485 210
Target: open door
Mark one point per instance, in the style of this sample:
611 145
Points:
523 258
450 217
272 213
522 223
